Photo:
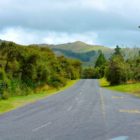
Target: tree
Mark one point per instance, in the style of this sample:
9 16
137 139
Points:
101 60
118 53
116 71
136 68
100 64
117 50
27 67
91 73
3 85
88 73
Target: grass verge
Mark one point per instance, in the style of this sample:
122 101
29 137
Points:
18 101
126 88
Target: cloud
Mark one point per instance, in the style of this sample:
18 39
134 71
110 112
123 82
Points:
59 38
27 36
18 35
119 37
62 20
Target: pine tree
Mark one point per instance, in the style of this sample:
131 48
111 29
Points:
101 60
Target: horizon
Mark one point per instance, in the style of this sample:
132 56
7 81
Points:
93 45
95 22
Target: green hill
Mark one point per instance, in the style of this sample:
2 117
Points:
80 47
88 53
80 50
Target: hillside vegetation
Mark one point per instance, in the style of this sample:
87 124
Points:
121 73
80 50
88 53
81 47
25 69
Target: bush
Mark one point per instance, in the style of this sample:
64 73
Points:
88 73
2 75
5 95
57 81
23 69
116 72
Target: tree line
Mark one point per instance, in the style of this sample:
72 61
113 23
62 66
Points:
117 70
24 68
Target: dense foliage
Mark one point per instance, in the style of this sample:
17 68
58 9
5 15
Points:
98 70
24 68
117 70
101 60
120 70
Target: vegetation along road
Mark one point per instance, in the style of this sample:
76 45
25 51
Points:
82 112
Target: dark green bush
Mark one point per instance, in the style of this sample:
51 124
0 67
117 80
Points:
24 68
5 95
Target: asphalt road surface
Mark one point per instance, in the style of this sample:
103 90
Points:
82 112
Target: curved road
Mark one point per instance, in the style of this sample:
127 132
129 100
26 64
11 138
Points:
83 112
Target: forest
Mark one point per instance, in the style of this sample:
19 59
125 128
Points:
25 68
118 69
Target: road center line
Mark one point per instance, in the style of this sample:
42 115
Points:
102 105
102 102
42 126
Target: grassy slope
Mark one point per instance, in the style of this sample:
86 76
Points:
81 47
127 88
15 102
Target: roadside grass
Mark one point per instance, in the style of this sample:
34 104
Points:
103 82
18 101
131 88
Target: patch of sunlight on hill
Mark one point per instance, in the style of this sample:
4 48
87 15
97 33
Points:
81 47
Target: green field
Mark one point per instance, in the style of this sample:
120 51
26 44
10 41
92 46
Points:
18 101
126 88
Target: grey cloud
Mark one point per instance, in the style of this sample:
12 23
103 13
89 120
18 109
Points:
120 37
66 20
72 17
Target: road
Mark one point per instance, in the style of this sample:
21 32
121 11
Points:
82 112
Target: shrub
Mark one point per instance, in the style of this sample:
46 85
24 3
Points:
5 95
57 81
116 72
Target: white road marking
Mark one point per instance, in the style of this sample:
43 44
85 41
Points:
121 138
133 111
28 112
42 126
117 97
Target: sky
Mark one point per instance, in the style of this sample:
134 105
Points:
100 22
